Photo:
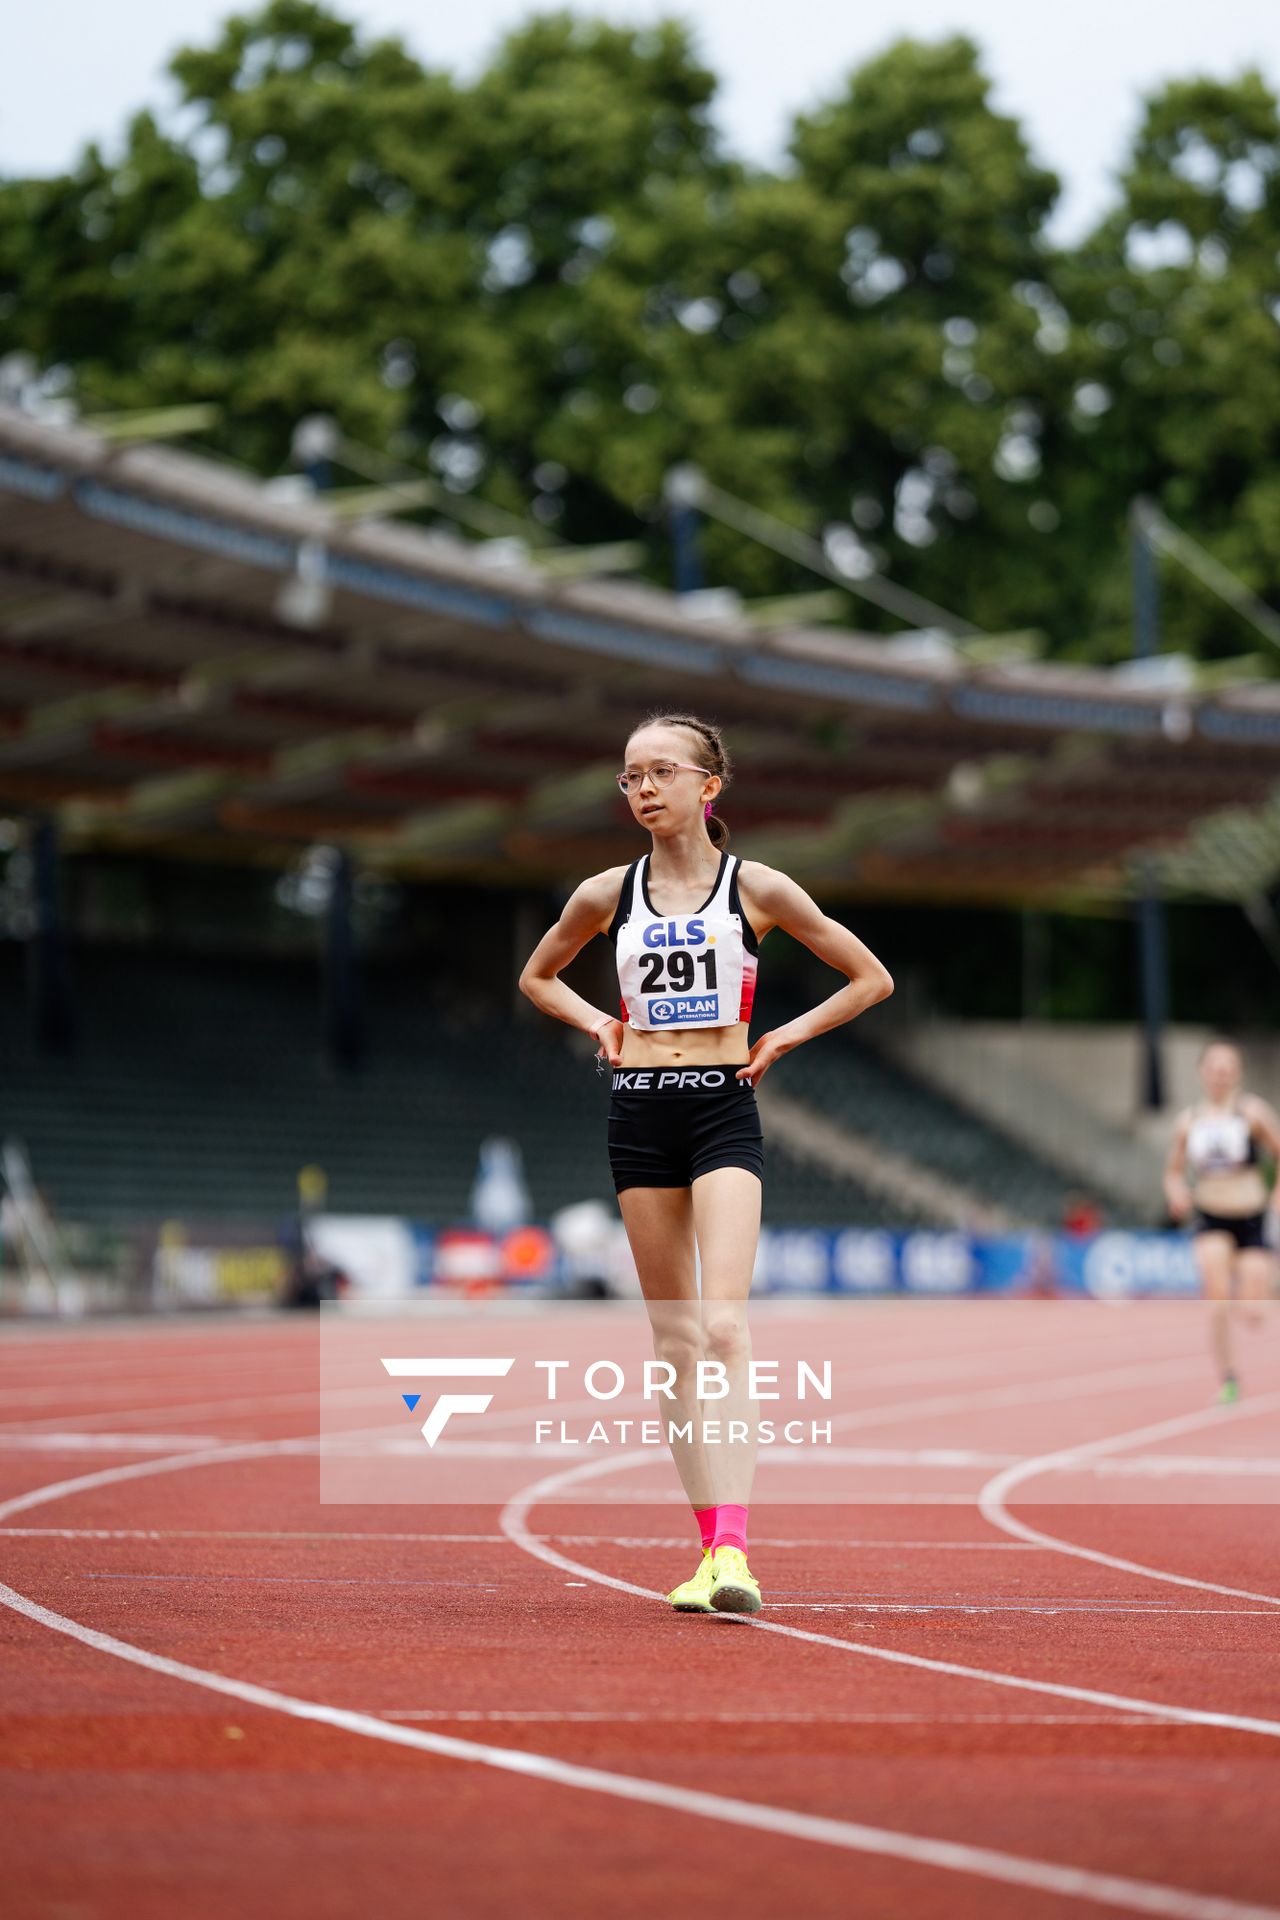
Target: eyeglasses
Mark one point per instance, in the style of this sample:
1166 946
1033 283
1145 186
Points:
662 773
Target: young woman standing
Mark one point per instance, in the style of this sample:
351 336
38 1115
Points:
1215 1142
686 1148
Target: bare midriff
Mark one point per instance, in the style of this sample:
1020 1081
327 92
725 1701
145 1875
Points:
1234 1193
687 1047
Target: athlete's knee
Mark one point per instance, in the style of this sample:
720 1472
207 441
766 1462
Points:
725 1337
678 1347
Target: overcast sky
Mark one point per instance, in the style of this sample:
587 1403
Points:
74 69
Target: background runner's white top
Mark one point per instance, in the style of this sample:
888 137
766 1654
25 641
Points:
684 969
1220 1142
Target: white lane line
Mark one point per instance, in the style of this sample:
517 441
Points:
75 1442
203 1351
970 1606
571 1716
988 1863
514 1523
664 1542
1195 1465
236 1406
831 1545
107 1387
269 1534
207 1578
993 1497
655 1498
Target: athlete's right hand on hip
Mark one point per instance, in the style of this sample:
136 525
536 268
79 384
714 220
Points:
609 1034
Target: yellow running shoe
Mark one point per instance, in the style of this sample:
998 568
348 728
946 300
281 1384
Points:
734 1588
694 1596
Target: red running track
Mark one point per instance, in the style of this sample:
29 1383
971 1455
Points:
219 1696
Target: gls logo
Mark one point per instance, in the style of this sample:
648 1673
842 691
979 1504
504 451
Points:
438 1418
666 933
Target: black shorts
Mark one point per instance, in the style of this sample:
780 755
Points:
1247 1230
669 1124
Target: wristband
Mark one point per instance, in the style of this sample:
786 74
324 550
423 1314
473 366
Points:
594 1028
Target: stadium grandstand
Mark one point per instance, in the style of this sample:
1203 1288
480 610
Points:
241 690
197 667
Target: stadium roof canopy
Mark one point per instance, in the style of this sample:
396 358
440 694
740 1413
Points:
192 665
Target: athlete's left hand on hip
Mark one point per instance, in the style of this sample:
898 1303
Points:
768 1048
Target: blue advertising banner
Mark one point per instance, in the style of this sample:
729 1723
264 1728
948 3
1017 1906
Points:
1114 1265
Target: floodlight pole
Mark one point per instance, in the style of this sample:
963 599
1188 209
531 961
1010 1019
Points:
1153 955
682 490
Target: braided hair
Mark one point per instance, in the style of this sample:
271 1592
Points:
714 757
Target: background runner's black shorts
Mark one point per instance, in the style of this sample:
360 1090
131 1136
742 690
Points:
1247 1230
669 1124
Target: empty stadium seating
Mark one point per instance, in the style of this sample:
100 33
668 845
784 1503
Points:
198 1090
844 1077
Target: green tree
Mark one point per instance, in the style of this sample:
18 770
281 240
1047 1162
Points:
1176 308
914 314
599 165
302 245
553 285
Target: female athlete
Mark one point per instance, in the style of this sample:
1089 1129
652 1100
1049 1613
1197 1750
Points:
1216 1143
685 1143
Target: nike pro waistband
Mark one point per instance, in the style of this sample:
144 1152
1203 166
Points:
680 1079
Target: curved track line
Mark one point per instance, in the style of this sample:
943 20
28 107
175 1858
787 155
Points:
1116 1890
992 1497
513 1522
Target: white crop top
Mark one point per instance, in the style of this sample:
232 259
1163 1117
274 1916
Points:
684 969
1220 1142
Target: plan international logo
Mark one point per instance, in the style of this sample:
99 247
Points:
700 1009
605 1380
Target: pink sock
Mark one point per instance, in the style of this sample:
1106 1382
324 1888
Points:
706 1519
731 1528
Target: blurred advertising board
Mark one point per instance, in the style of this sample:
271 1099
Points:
854 1260
387 1258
